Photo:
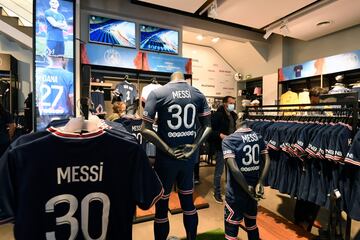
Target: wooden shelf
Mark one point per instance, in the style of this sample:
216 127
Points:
96 84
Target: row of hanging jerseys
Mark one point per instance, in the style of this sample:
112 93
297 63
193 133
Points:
73 170
310 160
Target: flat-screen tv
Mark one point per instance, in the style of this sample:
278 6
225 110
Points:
112 31
159 39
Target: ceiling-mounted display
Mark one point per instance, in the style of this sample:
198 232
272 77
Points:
53 60
159 39
112 31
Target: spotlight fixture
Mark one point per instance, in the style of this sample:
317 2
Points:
212 11
267 33
199 37
284 29
215 39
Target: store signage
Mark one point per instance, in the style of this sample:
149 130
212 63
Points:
211 74
54 60
337 63
165 63
5 62
108 56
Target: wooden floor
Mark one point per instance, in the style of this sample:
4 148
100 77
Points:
274 227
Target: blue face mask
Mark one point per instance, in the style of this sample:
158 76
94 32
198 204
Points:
231 107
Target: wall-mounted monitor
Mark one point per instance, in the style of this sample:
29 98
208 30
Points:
159 39
112 31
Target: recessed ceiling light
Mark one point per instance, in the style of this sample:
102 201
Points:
199 37
215 40
324 23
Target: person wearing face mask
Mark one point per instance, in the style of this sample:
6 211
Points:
223 123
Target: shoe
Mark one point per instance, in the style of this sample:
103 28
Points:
218 199
196 181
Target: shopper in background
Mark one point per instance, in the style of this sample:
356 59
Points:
119 110
223 123
7 129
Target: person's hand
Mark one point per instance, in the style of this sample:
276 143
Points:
185 151
259 191
222 136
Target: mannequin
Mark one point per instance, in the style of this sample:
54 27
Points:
182 151
244 188
258 192
178 106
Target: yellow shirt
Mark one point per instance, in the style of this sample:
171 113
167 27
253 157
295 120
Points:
289 98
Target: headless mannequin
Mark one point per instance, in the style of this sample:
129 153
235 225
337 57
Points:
258 192
184 151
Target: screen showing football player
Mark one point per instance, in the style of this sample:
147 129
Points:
55 91
178 106
248 164
56 25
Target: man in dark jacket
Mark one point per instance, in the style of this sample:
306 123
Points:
223 123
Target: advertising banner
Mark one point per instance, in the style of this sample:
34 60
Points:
165 63
54 60
211 74
108 56
337 63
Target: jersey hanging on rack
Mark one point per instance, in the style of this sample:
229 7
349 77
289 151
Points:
97 97
128 94
178 105
64 182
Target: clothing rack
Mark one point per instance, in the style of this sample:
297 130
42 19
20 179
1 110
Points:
349 108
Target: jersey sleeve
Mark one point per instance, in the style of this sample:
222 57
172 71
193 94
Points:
228 148
353 156
150 108
6 190
342 144
204 109
263 149
147 188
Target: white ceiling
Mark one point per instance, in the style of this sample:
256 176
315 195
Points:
341 13
184 5
259 14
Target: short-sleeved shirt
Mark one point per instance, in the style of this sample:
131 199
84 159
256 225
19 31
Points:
178 105
54 33
246 147
55 86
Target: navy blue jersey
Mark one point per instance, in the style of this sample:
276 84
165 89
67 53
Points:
127 92
56 88
61 180
245 146
133 126
178 105
97 97
353 156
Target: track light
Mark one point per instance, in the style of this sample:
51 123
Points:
212 12
267 33
284 29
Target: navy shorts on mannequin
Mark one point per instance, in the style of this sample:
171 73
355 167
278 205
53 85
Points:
181 173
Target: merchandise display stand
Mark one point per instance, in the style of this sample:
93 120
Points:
144 215
346 109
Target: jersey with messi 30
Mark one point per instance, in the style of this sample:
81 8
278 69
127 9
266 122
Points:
246 147
178 106
72 196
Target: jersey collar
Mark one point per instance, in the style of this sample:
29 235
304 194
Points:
178 81
58 133
244 130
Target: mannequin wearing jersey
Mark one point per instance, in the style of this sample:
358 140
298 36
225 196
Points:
177 140
242 204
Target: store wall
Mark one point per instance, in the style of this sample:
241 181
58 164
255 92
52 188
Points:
24 57
296 51
254 60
